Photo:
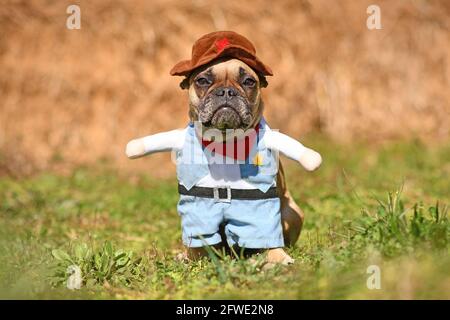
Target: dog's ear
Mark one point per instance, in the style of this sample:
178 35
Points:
262 81
185 83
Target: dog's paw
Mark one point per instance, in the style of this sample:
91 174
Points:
182 257
278 256
287 261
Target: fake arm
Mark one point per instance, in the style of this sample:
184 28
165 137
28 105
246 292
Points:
293 149
160 142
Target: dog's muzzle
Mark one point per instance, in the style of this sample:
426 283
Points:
227 109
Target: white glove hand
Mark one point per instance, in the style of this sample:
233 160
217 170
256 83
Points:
135 149
310 159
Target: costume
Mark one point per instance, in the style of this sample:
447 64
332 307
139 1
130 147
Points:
250 223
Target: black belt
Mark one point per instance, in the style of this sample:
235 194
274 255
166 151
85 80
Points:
226 194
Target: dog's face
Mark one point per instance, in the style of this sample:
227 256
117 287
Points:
225 95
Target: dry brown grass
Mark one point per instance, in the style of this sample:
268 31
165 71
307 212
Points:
75 96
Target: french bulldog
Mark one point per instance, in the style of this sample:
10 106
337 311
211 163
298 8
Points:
226 94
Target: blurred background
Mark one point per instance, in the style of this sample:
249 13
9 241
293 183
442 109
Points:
374 103
75 97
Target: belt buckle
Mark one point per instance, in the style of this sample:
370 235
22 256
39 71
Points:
217 198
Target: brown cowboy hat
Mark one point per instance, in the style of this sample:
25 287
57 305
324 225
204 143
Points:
221 44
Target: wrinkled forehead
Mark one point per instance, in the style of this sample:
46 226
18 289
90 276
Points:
230 69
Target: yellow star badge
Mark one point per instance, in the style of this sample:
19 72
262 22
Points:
258 160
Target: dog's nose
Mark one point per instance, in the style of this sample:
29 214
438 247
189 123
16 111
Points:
226 91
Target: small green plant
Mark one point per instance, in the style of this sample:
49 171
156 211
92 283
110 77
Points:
394 229
99 267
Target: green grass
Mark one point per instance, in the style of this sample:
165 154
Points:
383 206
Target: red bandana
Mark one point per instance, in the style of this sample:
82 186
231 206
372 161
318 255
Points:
232 150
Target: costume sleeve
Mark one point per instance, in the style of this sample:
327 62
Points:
286 145
291 148
164 141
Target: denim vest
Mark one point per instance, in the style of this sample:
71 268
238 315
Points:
259 168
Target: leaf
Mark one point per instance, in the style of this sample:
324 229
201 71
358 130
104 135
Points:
81 251
108 248
61 255
97 261
122 261
120 255
105 264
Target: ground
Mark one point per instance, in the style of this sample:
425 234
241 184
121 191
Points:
367 208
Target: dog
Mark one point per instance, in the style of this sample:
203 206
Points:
223 204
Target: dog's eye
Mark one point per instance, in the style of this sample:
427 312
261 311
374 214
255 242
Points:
202 81
249 82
